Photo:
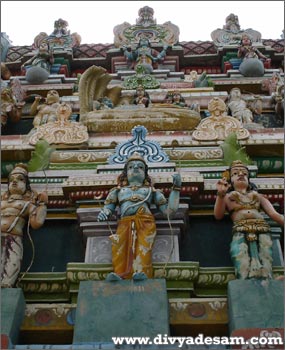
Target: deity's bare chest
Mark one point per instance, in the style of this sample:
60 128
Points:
13 207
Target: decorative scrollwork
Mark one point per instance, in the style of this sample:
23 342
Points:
150 150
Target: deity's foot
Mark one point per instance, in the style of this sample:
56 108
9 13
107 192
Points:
112 276
139 276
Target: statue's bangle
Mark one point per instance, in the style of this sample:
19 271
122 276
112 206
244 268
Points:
107 211
221 194
176 188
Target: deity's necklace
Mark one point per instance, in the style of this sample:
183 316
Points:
134 187
14 197
237 196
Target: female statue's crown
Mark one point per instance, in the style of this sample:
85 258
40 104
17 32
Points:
136 156
20 168
238 163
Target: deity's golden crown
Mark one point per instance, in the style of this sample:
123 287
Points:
238 163
20 168
246 35
136 156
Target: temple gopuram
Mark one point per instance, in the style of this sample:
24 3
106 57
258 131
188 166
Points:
142 188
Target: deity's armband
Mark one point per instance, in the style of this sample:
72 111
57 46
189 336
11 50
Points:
108 212
112 197
159 198
221 194
176 188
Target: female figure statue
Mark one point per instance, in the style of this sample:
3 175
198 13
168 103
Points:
38 67
19 205
251 247
247 50
178 99
45 112
141 97
132 244
252 59
238 107
10 107
43 58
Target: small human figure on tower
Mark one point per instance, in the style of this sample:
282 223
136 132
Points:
251 246
19 205
141 97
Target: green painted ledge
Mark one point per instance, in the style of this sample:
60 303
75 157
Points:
183 279
45 287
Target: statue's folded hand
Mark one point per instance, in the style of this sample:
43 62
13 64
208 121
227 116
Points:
104 214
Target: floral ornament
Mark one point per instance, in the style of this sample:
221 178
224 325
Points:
226 174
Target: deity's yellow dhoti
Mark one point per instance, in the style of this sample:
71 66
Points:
132 245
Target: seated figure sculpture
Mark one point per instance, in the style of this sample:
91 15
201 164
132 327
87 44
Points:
276 88
247 50
144 55
60 28
38 67
133 242
11 109
146 17
178 99
232 23
103 103
252 59
218 126
43 58
141 97
238 107
45 112
126 114
5 72
19 205
62 130
251 246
